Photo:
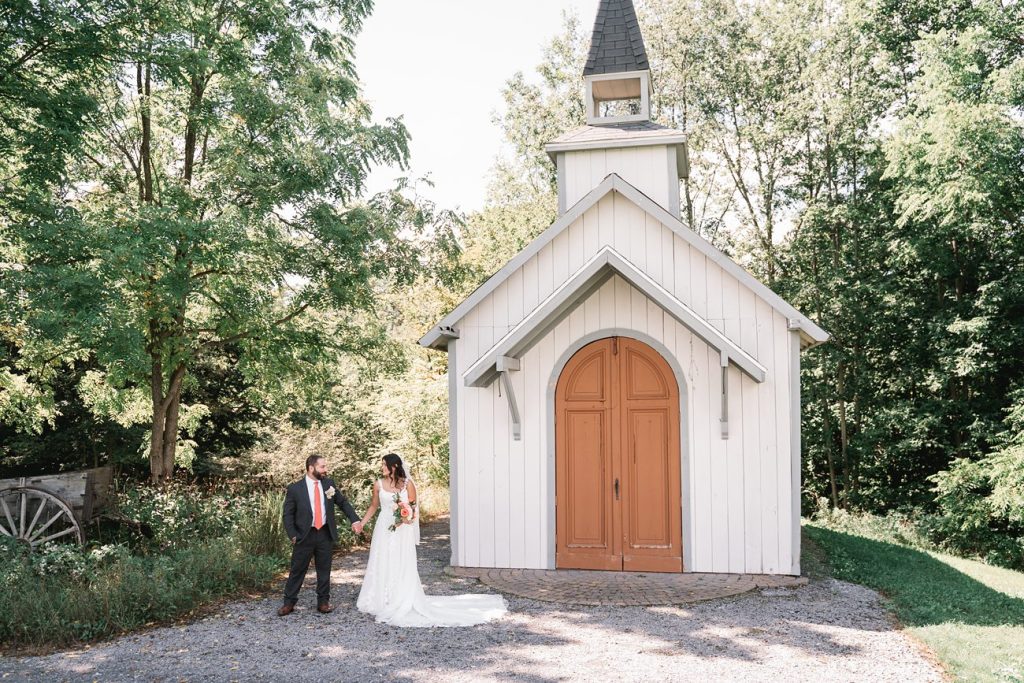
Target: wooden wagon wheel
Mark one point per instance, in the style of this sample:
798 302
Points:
35 516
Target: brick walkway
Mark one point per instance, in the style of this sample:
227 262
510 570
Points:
577 587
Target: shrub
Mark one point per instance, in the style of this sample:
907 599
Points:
127 592
981 501
177 514
972 519
899 526
64 594
978 509
261 528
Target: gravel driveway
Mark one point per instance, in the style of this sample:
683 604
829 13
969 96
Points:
828 630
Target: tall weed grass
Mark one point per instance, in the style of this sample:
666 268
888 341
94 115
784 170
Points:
67 595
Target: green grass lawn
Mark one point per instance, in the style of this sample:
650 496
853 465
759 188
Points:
969 613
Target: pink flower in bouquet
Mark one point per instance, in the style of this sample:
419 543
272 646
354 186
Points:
403 513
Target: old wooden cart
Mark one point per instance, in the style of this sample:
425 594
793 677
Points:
37 510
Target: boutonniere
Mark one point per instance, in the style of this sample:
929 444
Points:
329 492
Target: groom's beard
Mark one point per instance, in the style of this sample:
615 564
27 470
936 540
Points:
317 475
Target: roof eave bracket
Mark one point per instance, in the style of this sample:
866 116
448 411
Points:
506 365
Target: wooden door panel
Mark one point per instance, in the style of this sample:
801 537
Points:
586 501
588 381
643 379
650 492
652 515
617 420
586 536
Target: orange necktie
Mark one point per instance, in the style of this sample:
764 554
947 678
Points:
318 515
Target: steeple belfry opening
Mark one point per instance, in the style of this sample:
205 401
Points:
617 74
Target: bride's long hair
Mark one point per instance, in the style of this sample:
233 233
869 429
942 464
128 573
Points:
395 470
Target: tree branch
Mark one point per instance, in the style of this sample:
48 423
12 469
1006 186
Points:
217 343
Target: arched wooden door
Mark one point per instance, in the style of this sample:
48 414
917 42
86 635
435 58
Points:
617 463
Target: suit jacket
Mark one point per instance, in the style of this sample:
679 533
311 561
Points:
298 513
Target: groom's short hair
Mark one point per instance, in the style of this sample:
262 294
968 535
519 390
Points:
311 460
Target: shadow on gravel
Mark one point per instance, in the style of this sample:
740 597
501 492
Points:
722 628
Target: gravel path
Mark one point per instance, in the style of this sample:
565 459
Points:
829 630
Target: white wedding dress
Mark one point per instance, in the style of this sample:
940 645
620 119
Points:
392 591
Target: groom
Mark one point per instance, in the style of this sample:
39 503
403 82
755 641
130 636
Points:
309 523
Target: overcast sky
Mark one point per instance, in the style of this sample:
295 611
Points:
441 64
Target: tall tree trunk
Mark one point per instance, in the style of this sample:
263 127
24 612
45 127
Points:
827 428
147 194
156 442
170 439
689 204
172 403
843 438
142 79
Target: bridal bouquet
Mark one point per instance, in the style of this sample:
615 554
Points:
403 512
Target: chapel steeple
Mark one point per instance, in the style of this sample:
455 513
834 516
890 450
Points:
619 137
617 69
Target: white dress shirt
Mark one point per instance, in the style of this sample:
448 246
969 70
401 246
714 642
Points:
310 483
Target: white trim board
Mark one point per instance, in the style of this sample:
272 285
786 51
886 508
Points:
587 279
814 335
553 148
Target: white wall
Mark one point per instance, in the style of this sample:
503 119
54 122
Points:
740 492
652 170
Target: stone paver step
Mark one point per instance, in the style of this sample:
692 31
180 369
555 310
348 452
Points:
581 587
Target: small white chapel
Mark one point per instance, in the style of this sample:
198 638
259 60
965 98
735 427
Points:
623 396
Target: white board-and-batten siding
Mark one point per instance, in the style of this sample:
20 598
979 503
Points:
651 169
738 493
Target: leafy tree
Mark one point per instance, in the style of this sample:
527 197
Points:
734 77
71 438
522 199
213 205
538 110
981 501
914 266
50 54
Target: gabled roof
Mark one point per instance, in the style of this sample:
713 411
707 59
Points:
439 335
588 279
616 45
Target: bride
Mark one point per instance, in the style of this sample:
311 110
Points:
391 587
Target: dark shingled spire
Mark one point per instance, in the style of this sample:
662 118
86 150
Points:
616 45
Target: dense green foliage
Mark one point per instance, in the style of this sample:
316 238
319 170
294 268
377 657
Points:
193 278
208 215
970 614
981 500
184 547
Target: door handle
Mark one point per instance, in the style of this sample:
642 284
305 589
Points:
616 489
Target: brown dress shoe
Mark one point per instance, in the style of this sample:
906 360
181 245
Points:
285 610
324 608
